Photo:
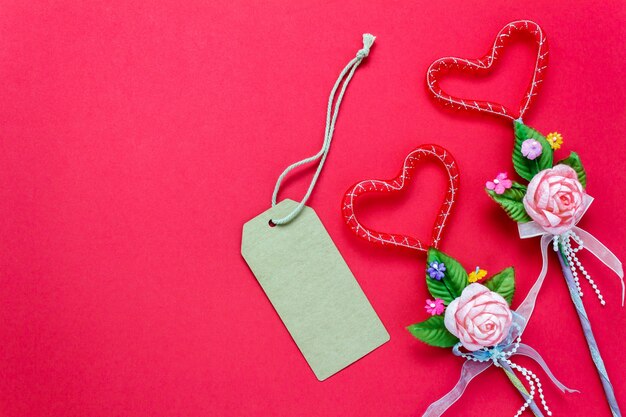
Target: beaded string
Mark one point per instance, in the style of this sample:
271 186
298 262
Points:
530 376
573 261
498 356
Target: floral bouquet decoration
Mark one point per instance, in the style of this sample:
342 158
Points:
469 313
472 315
550 206
554 199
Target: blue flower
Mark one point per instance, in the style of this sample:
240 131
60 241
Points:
436 270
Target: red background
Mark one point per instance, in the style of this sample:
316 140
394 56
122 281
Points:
136 139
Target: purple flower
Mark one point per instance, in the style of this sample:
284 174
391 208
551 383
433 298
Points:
434 307
436 270
531 149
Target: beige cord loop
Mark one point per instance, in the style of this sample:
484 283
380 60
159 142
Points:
331 119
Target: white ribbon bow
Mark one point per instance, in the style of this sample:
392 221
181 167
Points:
593 245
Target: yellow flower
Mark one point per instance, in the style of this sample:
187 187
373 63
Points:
555 140
477 275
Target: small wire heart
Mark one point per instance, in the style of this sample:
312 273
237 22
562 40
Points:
397 184
443 65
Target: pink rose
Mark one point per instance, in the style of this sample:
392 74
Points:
479 317
555 199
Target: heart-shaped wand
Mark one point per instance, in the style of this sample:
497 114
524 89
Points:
555 199
469 313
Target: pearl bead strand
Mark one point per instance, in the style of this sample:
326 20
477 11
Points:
575 264
531 383
533 380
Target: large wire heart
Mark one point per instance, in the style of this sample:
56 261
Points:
443 65
397 184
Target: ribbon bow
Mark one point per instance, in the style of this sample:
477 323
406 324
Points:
478 361
584 240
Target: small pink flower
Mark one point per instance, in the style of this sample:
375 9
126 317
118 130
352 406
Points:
500 184
531 148
434 307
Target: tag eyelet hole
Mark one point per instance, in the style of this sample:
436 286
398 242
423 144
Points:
271 223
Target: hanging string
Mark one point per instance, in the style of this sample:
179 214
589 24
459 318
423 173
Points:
331 119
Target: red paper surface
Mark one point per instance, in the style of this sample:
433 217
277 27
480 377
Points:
136 139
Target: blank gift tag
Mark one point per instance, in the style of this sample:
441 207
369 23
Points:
303 273
312 289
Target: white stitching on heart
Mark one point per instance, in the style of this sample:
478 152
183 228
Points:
494 108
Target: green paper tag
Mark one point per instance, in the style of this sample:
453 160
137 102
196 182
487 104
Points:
312 289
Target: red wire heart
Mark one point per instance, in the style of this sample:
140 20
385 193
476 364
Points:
443 65
397 184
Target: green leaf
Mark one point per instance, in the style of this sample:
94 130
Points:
503 283
516 192
511 202
454 280
573 160
433 332
525 167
